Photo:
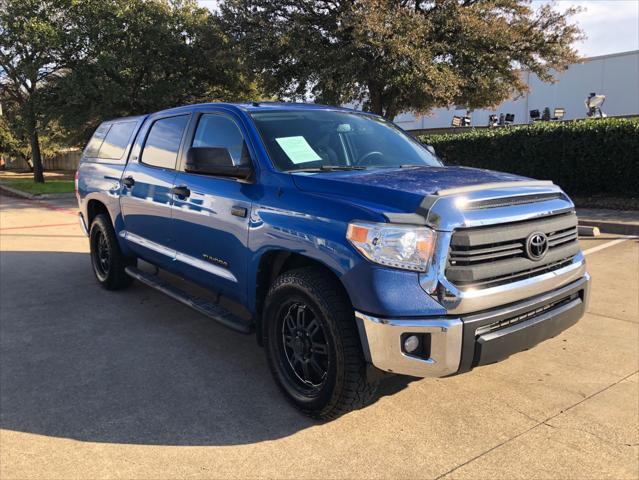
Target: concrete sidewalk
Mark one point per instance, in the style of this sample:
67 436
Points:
622 222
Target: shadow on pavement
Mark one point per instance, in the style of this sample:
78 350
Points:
135 367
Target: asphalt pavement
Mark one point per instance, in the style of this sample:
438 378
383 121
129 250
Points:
97 384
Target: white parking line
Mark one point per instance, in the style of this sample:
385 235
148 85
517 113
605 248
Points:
607 244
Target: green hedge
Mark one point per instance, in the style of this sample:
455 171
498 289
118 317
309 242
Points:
588 157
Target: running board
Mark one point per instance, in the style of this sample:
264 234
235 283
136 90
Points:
209 309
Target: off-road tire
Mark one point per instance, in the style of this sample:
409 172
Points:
108 271
347 385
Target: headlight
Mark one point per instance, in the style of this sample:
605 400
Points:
406 247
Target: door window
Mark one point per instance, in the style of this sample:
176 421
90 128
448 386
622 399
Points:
214 130
163 142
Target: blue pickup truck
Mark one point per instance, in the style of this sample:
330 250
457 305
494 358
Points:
343 244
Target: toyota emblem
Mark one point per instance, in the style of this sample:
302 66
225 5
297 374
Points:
536 245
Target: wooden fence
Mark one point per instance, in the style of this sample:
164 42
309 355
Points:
64 160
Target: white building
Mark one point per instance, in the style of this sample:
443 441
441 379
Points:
616 76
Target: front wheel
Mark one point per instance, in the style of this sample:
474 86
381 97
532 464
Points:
313 346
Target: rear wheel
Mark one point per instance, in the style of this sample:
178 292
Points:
313 346
107 259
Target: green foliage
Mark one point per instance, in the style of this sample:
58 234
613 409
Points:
67 65
9 144
400 55
141 56
584 157
34 36
14 135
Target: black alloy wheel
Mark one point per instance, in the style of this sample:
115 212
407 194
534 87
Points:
304 345
313 346
107 260
101 255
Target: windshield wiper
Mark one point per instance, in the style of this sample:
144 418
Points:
329 168
342 167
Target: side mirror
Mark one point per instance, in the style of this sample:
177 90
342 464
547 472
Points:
215 161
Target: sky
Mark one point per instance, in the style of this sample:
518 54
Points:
611 26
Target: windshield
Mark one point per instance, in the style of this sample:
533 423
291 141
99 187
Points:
316 140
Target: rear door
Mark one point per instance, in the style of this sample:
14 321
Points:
210 223
146 196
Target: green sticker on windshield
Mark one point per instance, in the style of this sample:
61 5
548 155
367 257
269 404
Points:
298 149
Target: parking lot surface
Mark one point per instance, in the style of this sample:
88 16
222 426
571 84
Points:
97 384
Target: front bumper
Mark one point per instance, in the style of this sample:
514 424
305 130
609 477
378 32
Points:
455 344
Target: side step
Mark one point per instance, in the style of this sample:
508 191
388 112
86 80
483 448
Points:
211 310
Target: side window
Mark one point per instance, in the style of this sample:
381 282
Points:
93 147
214 130
163 142
116 140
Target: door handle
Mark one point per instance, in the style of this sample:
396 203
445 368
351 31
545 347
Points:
181 191
128 182
239 212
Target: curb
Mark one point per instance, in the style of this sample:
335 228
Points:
34 196
612 227
585 231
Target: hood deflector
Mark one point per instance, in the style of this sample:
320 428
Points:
420 217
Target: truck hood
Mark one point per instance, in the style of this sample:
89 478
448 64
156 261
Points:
396 189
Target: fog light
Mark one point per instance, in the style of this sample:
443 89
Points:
411 344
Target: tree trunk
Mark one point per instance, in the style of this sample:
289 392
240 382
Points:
379 105
34 140
375 94
390 113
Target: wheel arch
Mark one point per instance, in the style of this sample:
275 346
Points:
96 207
272 264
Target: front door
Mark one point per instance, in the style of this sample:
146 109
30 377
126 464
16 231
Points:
210 218
147 181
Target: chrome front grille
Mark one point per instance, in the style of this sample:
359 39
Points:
488 256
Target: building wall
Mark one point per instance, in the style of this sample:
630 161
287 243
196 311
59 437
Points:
616 76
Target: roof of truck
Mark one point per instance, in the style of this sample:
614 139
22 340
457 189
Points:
258 106
247 107
253 106
125 119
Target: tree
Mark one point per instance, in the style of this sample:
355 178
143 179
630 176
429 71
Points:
139 56
32 42
401 55
9 144
14 137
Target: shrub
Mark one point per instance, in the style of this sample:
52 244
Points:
588 157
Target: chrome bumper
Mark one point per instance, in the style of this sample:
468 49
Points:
382 338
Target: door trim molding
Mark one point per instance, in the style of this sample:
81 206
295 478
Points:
179 256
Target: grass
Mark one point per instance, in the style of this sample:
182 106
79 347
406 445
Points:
51 185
